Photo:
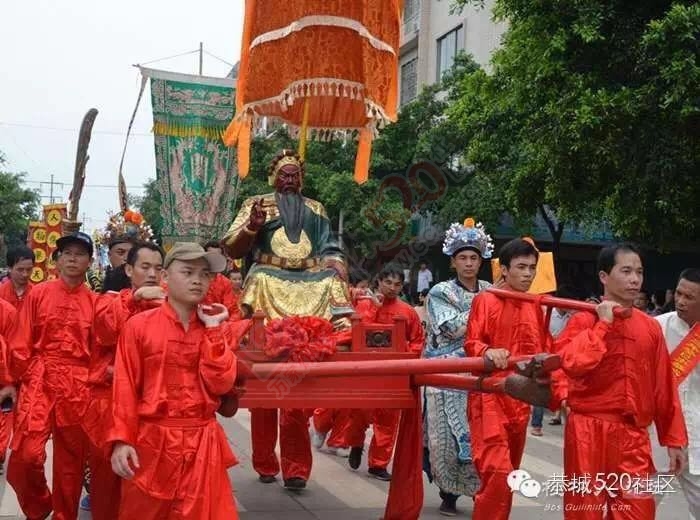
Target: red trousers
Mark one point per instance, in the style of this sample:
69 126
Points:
335 421
295 445
498 429
25 472
6 420
135 504
607 448
385 426
105 485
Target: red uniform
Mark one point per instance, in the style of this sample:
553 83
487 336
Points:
620 381
497 422
112 311
385 422
167 387
221 291
8 320
8 293
335 421
295 445
50 357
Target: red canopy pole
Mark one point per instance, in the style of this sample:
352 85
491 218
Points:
551 301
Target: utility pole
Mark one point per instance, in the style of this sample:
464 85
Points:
51 184
201 57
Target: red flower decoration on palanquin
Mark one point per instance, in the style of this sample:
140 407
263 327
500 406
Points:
299 338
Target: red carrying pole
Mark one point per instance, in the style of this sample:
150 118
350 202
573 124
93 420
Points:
380 367
459 382
560 303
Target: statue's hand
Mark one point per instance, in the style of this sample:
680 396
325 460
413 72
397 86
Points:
339 268
257 216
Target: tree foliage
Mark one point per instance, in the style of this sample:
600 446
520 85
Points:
19 206
149 206
592 108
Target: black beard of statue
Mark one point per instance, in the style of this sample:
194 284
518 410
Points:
291 207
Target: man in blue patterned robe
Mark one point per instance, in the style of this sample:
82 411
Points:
448 457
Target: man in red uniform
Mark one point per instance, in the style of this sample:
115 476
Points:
385 422
620 381
14 290
172 367
50 356
16 287
497 329
143 268
221 288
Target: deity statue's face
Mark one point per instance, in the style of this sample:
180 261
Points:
288 179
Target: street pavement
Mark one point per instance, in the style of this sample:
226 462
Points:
337 493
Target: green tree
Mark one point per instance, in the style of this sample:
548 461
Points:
592 112
19 206
149 206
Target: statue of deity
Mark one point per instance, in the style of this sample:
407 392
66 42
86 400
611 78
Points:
298 267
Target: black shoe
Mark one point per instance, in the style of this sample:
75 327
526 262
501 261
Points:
380 474
449 504
448 508
267 479
355 457
295 483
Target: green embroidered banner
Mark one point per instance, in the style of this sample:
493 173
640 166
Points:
196 173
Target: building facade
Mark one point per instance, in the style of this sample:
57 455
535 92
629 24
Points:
431 36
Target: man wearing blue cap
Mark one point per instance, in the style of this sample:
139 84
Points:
50 357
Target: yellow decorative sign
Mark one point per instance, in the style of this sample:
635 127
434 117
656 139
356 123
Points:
39 236
37 275
39 255
54 218
50 263
51 240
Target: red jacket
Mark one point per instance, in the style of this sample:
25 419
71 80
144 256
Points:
384 313
622 368
7 293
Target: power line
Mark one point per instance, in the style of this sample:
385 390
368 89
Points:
86 185
61 129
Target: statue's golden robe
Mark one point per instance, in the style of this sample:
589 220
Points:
288 279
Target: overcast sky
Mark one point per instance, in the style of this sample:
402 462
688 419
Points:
61 58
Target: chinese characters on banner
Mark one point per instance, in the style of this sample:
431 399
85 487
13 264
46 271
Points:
36 241
42 237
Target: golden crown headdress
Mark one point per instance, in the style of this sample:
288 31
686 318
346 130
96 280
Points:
285 158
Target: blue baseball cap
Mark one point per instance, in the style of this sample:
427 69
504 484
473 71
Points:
79 238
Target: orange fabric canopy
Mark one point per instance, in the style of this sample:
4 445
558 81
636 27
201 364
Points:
337 60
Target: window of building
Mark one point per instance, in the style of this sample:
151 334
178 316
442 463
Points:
409 81
447 48
411 9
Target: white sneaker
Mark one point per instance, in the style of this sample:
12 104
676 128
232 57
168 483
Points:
341 452
317 438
